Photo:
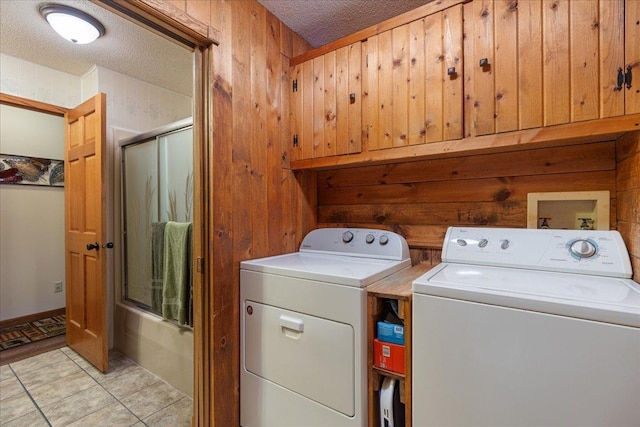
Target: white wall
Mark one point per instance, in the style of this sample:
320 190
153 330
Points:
32 81
31 218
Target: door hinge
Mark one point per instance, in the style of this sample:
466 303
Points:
295 85
623 78
295 140
200 264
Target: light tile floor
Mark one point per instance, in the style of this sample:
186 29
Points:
60 388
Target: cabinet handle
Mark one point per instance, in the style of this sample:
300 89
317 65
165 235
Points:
484 62
352 97
620 80
451 71
628 76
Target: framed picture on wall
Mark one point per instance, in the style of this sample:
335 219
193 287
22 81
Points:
31 171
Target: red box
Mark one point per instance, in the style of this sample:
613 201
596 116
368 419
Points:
388 356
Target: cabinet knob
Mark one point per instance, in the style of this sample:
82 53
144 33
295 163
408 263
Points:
451 71
352 97
484 62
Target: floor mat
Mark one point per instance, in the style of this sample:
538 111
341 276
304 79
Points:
26 333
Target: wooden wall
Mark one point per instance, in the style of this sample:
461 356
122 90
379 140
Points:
628 195
421 199
257 205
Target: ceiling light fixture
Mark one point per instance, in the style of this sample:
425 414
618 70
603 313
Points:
72 24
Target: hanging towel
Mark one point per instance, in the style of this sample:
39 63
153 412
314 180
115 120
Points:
157 265
176 285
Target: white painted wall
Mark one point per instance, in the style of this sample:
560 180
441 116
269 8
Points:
31 218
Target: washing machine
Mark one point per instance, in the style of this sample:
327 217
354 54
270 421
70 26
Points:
524 327
303 328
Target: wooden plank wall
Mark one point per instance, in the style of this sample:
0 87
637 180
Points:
421 199
628 196
258 206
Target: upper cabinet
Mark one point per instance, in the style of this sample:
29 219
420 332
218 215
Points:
413 82
326 104
530 64
431 81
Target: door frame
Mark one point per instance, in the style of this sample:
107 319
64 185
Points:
172 23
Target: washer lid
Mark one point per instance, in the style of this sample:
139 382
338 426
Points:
338 269
604 299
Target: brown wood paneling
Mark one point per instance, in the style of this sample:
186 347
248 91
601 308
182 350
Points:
529 60
557 84
584 60
628 196
590 157
611 56
421 199
632 54
506 65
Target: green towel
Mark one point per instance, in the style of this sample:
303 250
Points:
176 285
157 265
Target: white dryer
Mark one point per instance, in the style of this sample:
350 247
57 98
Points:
303 328
523 327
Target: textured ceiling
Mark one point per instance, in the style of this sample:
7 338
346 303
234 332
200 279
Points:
126 47
322 21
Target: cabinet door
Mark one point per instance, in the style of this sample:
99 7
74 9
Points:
541 63
412 99
326 104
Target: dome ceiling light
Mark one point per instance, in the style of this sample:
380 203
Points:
72 24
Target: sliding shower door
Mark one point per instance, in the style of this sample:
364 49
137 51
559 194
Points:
157 188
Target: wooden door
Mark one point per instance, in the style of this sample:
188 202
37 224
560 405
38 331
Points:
85 231
326 104
414 82
541 63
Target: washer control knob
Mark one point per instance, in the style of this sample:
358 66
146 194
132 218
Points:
504 244
462 242
583 249
483 243
384 239
347 236
370 238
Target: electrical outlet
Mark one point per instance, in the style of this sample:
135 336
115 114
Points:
57 287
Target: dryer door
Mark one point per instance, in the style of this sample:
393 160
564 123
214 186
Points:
308 355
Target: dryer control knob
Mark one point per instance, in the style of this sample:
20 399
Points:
370 238
347 236
483 243
461 242
384 239
504 244
583 249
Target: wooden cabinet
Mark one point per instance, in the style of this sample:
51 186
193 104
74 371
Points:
397 288
413 82
326 104
540 63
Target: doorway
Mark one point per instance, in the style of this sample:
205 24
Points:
92 82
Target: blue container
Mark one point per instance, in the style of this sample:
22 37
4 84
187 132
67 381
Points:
390 332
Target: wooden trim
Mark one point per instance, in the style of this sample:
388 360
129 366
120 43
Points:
29 104
405 18
552 136
31 317
164 19
201 276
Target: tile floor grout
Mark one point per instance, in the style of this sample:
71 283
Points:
174 407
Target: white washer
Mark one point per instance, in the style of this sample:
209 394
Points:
521 327
303 328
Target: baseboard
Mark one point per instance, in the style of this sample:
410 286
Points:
32 317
